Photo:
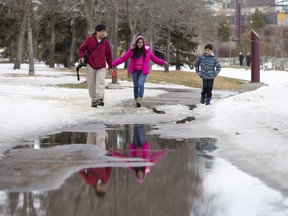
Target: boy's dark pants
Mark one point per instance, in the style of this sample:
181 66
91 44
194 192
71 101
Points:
207 86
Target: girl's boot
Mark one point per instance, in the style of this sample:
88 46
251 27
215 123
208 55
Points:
138 102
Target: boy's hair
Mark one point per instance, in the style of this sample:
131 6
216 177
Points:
208 46
100 27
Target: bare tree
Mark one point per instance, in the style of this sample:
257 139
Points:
92 11
276 40
183 18
20 43
115 33
52 41
30 46
51 9
25 27
72 47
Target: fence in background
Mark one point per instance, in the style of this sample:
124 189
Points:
265 63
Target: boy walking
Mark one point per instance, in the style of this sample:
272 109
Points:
208 67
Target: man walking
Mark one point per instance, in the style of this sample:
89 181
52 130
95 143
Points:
241 58
98 49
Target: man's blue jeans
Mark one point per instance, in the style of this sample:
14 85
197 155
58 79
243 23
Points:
138 82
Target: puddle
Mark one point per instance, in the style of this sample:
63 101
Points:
175 177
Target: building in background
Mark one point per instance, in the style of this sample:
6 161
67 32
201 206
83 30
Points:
274 11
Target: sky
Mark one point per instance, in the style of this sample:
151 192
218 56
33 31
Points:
251 127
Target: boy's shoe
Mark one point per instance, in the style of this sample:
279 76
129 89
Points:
202 100
208 99
99 102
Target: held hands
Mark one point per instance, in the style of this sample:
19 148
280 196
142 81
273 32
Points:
110 152
166 63
113 73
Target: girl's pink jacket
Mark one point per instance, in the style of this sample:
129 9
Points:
149 55
142 152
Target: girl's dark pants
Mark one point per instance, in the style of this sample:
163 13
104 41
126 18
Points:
207 86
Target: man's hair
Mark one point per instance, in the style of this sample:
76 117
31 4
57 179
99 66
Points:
99 193
100 27
208 46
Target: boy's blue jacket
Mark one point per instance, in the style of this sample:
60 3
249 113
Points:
208 67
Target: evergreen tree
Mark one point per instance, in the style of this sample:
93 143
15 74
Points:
63 39
224 29
9 25
257 20
182 49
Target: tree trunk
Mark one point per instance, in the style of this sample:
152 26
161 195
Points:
132 28
71 59
151 44
126 65
90 26
52 43
115 35
178 63
20 43
12 51
90 15
168 50
30 46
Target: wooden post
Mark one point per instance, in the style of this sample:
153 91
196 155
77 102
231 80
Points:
255 57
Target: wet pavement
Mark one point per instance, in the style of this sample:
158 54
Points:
135 173
188 97
125 170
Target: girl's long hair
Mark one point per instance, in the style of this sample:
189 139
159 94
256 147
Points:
137 52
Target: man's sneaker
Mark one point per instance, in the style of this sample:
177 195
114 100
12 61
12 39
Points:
93 104
100 102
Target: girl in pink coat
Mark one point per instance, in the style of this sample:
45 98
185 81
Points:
139 55
140 148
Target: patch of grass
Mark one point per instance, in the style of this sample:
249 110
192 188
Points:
74 86
175 77
187 79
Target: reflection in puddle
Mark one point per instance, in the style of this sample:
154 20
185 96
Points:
97 178
185 180
139 148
